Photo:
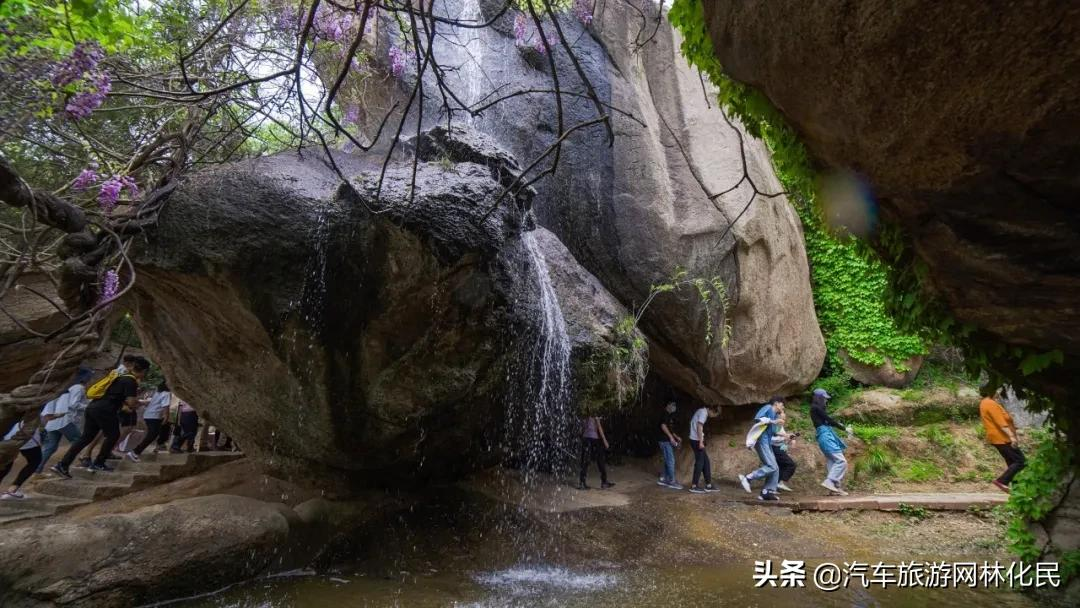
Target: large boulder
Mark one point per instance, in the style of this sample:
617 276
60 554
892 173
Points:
634 209
30 309
150 554
964 118
356 327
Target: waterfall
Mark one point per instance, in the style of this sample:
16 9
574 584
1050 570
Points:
548 414
471 56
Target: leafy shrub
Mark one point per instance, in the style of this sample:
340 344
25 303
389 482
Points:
912 511
1034 493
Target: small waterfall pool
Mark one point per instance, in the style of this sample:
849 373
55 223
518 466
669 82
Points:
552 586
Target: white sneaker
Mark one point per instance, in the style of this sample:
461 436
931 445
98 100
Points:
745 483
783 486
133 457
830 486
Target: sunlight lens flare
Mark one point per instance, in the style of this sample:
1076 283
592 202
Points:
847 204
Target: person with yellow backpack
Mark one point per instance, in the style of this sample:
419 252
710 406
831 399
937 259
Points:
96 391
102 415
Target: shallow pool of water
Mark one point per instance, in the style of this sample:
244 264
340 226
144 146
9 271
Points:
600 587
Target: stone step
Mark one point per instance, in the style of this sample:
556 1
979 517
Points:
121 475
84 488
36 505
45 503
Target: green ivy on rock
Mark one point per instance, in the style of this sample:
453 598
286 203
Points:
849 281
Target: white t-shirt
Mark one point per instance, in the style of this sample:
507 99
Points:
700 416
66 404
33 442
158 406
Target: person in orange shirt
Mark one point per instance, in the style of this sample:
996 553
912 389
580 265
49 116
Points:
1001 433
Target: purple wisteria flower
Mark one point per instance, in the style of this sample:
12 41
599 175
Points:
352 114
110 286
519 29
539 45
330 24
82 60
110 191
583 10
82 104
397 61
85 179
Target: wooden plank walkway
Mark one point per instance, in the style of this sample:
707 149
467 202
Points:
961 501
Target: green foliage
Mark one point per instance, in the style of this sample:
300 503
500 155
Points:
921 470
123 332
912 511
871 433
939 436
848 280
876 461
839 384
59 25
1035 492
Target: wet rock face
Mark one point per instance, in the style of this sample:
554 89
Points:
322 325
633 209
965 120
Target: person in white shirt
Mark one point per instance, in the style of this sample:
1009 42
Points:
697 442
31 451
157 409
61 417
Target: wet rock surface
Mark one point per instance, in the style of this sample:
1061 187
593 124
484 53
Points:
359 328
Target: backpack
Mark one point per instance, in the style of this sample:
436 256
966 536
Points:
97 389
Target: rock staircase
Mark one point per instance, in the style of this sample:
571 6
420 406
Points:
53 494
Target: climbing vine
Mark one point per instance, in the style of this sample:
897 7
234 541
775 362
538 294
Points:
626 363
849 282
1034 494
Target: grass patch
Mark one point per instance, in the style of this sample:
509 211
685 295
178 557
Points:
939 436
912 511
871 433
921 470
877 461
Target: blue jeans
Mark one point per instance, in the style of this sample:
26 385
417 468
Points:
52 442
668 451
769 469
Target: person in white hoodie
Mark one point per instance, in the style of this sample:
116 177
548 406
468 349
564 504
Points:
62 415
157 410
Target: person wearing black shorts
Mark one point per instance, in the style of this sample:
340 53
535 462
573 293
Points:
102 415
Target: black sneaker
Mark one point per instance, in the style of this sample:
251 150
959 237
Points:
696 490
583 486
606 485
60 470
710 488
85 463
768 496
104 468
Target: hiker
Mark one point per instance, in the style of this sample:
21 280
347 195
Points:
31 452
669 442
128 420
697 442
61 417
593 445
781 444
125 363
1001 433
831 445
188 426
760 439
101 415
157 409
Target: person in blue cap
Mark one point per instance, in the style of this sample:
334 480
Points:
829 442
